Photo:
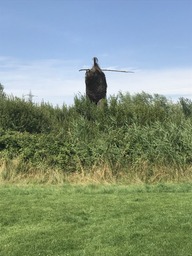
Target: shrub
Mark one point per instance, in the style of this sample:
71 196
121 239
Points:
126 133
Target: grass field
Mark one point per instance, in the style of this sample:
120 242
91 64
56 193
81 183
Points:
96 220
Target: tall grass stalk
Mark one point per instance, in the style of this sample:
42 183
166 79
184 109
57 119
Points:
136 138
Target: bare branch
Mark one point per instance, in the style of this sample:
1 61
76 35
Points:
84 69
115 70
111 70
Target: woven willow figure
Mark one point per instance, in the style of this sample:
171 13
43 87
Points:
96 85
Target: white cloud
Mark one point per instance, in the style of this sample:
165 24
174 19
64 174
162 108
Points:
57 81
54 81
170 82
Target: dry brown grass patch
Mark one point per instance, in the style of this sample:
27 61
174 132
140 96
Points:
14 171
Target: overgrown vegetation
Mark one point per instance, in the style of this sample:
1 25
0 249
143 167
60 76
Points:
139 137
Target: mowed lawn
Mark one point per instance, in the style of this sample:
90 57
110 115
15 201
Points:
96 220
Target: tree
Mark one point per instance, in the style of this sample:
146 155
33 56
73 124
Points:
2 94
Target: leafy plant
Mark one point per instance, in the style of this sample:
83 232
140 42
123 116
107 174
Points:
138 133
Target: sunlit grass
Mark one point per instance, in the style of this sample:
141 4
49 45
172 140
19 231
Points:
96 220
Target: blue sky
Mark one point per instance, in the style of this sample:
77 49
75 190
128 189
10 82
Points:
45 42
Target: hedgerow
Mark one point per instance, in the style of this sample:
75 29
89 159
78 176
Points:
125 133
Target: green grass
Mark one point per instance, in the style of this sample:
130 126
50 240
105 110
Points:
96 220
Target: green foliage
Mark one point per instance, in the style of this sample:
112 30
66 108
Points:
19 115
2 94
125 133
186 106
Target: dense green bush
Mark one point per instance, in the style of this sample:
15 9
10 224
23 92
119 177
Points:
125 132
